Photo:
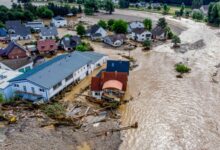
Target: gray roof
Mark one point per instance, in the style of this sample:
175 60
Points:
19 28
15 64
116 37
59 18
93 29
71 41
139 30
49 31
157 31
52 72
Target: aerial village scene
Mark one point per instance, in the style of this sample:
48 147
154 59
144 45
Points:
109 75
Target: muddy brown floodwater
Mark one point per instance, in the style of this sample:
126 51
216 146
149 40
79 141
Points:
180 114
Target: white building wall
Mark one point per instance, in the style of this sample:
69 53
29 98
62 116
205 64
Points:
59 23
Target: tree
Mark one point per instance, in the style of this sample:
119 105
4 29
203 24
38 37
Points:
197 15
123 3
182 9
80 29
214 14
166 9
79 9
120 26
44 12
90 6
1 98
162 23
110 23
176 40
28 15
147 44
109 6
197 3
102 24
148 24
2 25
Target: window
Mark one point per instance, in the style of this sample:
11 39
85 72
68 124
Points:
69 77
97 94
24 88
57 85
33 90
42 90
16 85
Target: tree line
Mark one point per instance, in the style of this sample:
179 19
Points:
29 12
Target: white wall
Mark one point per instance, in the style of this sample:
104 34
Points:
59 23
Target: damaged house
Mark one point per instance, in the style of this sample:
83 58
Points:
111 82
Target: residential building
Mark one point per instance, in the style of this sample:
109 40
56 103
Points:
59 21
18 31
140 35
69 43
115 40
3 34
96 33
158 33
47 46
204 9
5 88
113 84
135 24
48 79
118 66
35 25
14 51
48 33
20 64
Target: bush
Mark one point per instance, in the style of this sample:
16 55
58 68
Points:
147 44
181 68
1 98
83 47
110 23
55 110
80 29
197 15
102 24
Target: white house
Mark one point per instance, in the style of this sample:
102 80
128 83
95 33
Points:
59 21
48 79
135 24
5 88
20 64
96 33
115 40
140 35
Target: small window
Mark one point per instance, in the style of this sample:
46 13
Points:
69 77
57 85
25 88
33 90
16 85
42 90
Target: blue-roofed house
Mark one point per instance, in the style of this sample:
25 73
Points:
3 34
118 66
48 79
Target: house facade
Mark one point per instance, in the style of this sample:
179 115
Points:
20 65
96 33
114 40
140 35
5 88
44 81
109 84
14 51
59 21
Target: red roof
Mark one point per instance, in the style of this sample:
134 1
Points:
112 84
98 82
46 45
